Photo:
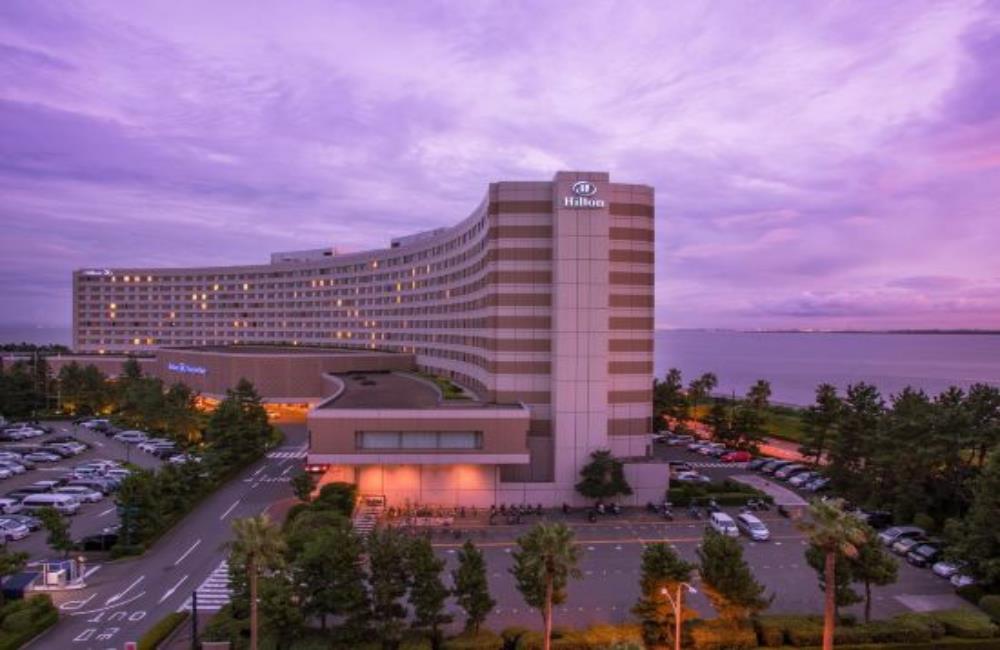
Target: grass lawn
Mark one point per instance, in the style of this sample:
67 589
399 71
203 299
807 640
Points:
782 421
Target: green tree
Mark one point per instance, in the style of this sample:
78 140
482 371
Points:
855 441
702 387
330 570
307 524
338 497
543 564
750 419
974 538
238 430
257 547
873 566
662 570
388 581
844 594
728 582
472 588
820 422
17 391
899 482
668 396
427 593
721 420
833 533
10 563
281 615
603 477
302 485
140 503
983 403
59 538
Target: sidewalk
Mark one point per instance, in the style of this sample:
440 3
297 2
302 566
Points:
776 447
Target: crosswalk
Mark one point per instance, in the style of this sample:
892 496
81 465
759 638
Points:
213 593
287 453
717 465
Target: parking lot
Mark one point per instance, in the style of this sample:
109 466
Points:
92 518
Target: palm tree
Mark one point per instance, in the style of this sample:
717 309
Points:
546 559
259 545
834 532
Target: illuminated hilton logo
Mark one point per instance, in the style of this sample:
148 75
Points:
584 192
186 369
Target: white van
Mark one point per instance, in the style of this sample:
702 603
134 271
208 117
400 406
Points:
65 504
723 524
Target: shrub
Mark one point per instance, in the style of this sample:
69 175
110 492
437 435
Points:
922 626
715 634
770 631
991 605
971 593
485 640
612 636
161 630
966 624
23 620
925 521
511 636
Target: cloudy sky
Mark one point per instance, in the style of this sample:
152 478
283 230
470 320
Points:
815 164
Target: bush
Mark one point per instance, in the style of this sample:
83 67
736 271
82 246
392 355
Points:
925 521
511 636
23 620
971 593
966 624
161 630
991 605
485 640
918 627
715 634
770 631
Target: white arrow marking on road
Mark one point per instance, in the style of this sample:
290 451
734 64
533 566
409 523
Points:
121 594
71 605
187 552
287 469
229 509
106 512
170 591
92 570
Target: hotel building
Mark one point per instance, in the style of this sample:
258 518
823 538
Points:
538 306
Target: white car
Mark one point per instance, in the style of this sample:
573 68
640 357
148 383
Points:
83 494
945 569
12 530
691 477
153 443
723 524
5 473
753 527
10 506
12 467
962 580
183 458
43 457
131 437
118 473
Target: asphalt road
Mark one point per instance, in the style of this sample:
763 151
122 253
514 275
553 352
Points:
124 598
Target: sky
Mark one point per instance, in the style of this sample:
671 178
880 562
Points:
816 165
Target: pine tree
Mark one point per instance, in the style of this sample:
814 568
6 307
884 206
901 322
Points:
603 477
820 422
727 579
662 569
330 569
873 566
388 581
855 440
974 538
427 594
472 589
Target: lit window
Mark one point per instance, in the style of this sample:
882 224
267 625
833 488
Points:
149 278
215 287
135 341
114 306
245 286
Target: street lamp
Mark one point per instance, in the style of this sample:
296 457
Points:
676 605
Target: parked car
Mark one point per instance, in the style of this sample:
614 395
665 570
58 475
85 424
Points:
723 524
43 457
924 555
81 492
118 473
790 470
63 503
103 486
662 439
677 441
736 457
892 535
5 473
774 466
10 506
820 484
11 530
33 523
131 437
98 542
752 527
691 477
12 467
680 466
962 580
802 478
166 452
904 545
180 459
695 444
946 569
152 443
711 449
756 463
877 519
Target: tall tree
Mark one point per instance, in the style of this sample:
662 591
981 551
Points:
722 421
844 594
853 446
983 402
603 477
832 532
662 570
330 568
302 485
10 563
427 594
974 538
388 582
750 420
280 611
257 546
727 579
543 564
668 396
820 422
873 566
472 588
59 538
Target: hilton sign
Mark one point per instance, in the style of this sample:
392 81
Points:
584 192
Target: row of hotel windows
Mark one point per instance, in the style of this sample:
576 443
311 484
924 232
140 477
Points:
417 440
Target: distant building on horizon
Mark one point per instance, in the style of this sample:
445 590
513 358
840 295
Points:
541 299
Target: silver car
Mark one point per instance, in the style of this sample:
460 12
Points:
12 530
752 527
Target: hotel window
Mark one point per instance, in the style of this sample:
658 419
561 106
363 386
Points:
419 440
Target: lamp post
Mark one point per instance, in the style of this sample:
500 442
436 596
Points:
676 606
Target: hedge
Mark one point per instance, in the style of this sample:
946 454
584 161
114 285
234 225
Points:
23 620
807 631
598 637
485 640
991 605
161 630
965 624
715 634
725 493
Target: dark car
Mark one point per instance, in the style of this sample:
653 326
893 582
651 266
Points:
924 555
166 452
757 463
680 466
98 542
877 519
774 466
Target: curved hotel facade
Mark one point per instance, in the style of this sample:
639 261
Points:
539 305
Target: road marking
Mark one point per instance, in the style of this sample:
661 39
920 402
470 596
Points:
107 607
171 591
229 509
121 594
106 512
187 552
287 469
91 571
72 605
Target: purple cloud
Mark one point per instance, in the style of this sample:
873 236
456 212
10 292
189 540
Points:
835 167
